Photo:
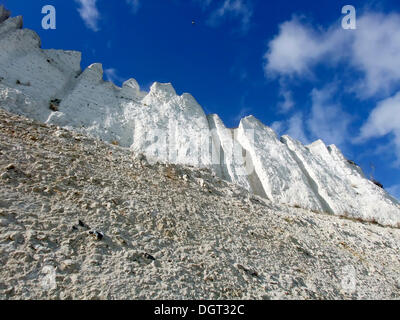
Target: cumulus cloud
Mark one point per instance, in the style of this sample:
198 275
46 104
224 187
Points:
134 4
372 50
238 9
370 57
375 51
382 121
295 50
89 13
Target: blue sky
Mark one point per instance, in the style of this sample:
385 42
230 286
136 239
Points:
289 63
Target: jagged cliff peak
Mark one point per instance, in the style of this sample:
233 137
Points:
49 86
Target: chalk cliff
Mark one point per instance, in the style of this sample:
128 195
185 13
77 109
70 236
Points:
49 86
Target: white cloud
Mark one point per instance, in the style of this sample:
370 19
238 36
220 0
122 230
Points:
238 9
394 191
134 4
371 53
89 13
287 104
383 120
373 50
278 127
112 75
327 120
296 128
376 52
294 50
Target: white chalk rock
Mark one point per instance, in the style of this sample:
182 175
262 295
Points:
173 128
280 175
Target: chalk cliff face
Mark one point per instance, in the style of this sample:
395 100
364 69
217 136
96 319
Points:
49 86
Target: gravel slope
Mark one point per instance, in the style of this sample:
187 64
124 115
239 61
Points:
170 232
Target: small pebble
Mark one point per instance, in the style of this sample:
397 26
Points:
4 176
97 234
82 224
10 167
148 256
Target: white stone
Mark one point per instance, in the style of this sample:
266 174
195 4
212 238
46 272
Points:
173 128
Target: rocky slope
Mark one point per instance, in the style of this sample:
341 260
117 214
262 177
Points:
49 86
82 219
